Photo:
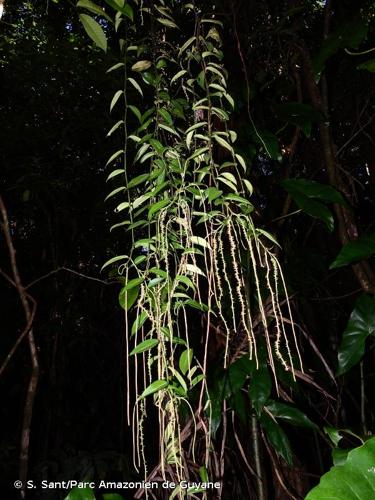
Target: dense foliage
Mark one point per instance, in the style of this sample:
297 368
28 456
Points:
239 141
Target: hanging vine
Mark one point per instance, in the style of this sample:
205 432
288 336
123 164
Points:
194 245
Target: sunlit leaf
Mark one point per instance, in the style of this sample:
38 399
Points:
354 479
156 386
94 31
144 346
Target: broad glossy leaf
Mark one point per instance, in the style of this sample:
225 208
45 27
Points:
313 189
368 65
289 414
95 9
133 283
339 456
348 34
277 437
121 6
185 361
213 193
156 386
128 297
302 115
238 373
144 346
303 193
260 387
139 322
353 480
360 249
361 324
333 434
81 494
156 207
94 31
113 260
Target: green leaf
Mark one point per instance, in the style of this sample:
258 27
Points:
95 9
185 361
186 281
114 156
333 434
115 67
339 456
238 373
302 115
115 127
139 322
368 65
141 66
361 324
212 193
94 31
115 98
178 75
305 193
194 269
353 480
136 85
198 240
113 260
140 179
289 414
269 142
359 249
223 143
128 297
81 494
132 283
260 387
121 6
156 207
349 34
166 116
277 437
156 386
146 345
313 189
167 22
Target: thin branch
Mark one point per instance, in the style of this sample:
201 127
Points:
72 271
34 377
19 340
362 127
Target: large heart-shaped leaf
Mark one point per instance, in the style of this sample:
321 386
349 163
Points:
353 480
360 325
81 494
277 437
